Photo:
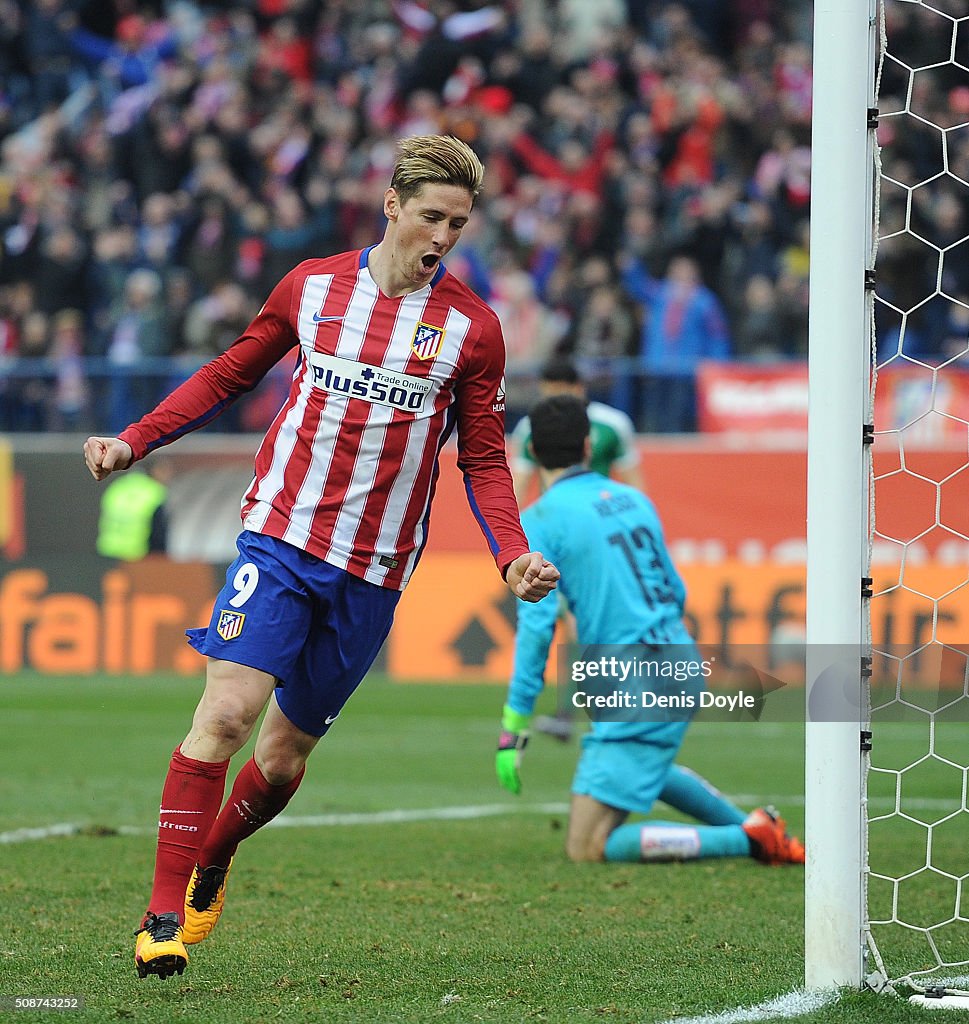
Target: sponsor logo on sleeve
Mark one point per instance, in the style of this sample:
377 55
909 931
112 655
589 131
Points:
499 403
373 384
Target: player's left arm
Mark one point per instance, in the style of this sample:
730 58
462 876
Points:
483 460
531 576
524 469
629 475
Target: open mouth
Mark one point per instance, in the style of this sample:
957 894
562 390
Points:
430 261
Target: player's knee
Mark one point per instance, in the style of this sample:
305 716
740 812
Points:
280 767
585 849
223 722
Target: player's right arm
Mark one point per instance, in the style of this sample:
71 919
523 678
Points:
208 392
533 638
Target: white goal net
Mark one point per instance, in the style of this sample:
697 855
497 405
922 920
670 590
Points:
917 921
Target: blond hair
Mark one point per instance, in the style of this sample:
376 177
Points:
438 160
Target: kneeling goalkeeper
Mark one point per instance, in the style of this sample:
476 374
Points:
607 542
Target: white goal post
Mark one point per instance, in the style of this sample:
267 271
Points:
887 806
837 491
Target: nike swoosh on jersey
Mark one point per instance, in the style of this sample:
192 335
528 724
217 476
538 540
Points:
326 319
330 721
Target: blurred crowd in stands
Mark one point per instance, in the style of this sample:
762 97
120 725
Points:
163 164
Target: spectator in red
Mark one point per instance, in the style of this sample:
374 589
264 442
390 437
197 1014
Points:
284 52
574 166
687 115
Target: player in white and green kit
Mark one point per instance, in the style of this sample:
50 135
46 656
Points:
607 542
611 432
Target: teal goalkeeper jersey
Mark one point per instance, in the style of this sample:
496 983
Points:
606 540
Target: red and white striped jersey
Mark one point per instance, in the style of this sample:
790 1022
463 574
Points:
347 469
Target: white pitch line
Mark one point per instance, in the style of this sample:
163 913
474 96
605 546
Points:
793 1004
430 814
393 817
25 835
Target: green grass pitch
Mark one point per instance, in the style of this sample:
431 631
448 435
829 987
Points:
473 919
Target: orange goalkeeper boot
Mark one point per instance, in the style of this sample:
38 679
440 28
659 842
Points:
769 838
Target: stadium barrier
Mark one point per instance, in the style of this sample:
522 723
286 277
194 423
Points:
747 397
733 512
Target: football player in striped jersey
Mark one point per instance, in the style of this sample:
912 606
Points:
392 354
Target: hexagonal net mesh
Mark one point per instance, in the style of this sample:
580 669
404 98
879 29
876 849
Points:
918 823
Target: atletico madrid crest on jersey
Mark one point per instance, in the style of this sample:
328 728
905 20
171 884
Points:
427 341
230 624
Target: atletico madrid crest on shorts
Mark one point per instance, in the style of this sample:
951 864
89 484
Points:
230 624
427 341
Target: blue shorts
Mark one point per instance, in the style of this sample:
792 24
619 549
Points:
628 772
315 627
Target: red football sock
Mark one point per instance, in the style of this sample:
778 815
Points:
191 798
252 802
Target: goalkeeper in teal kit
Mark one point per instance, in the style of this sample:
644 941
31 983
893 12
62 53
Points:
607 542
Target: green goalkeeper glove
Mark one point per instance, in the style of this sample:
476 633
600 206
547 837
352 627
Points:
511 748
